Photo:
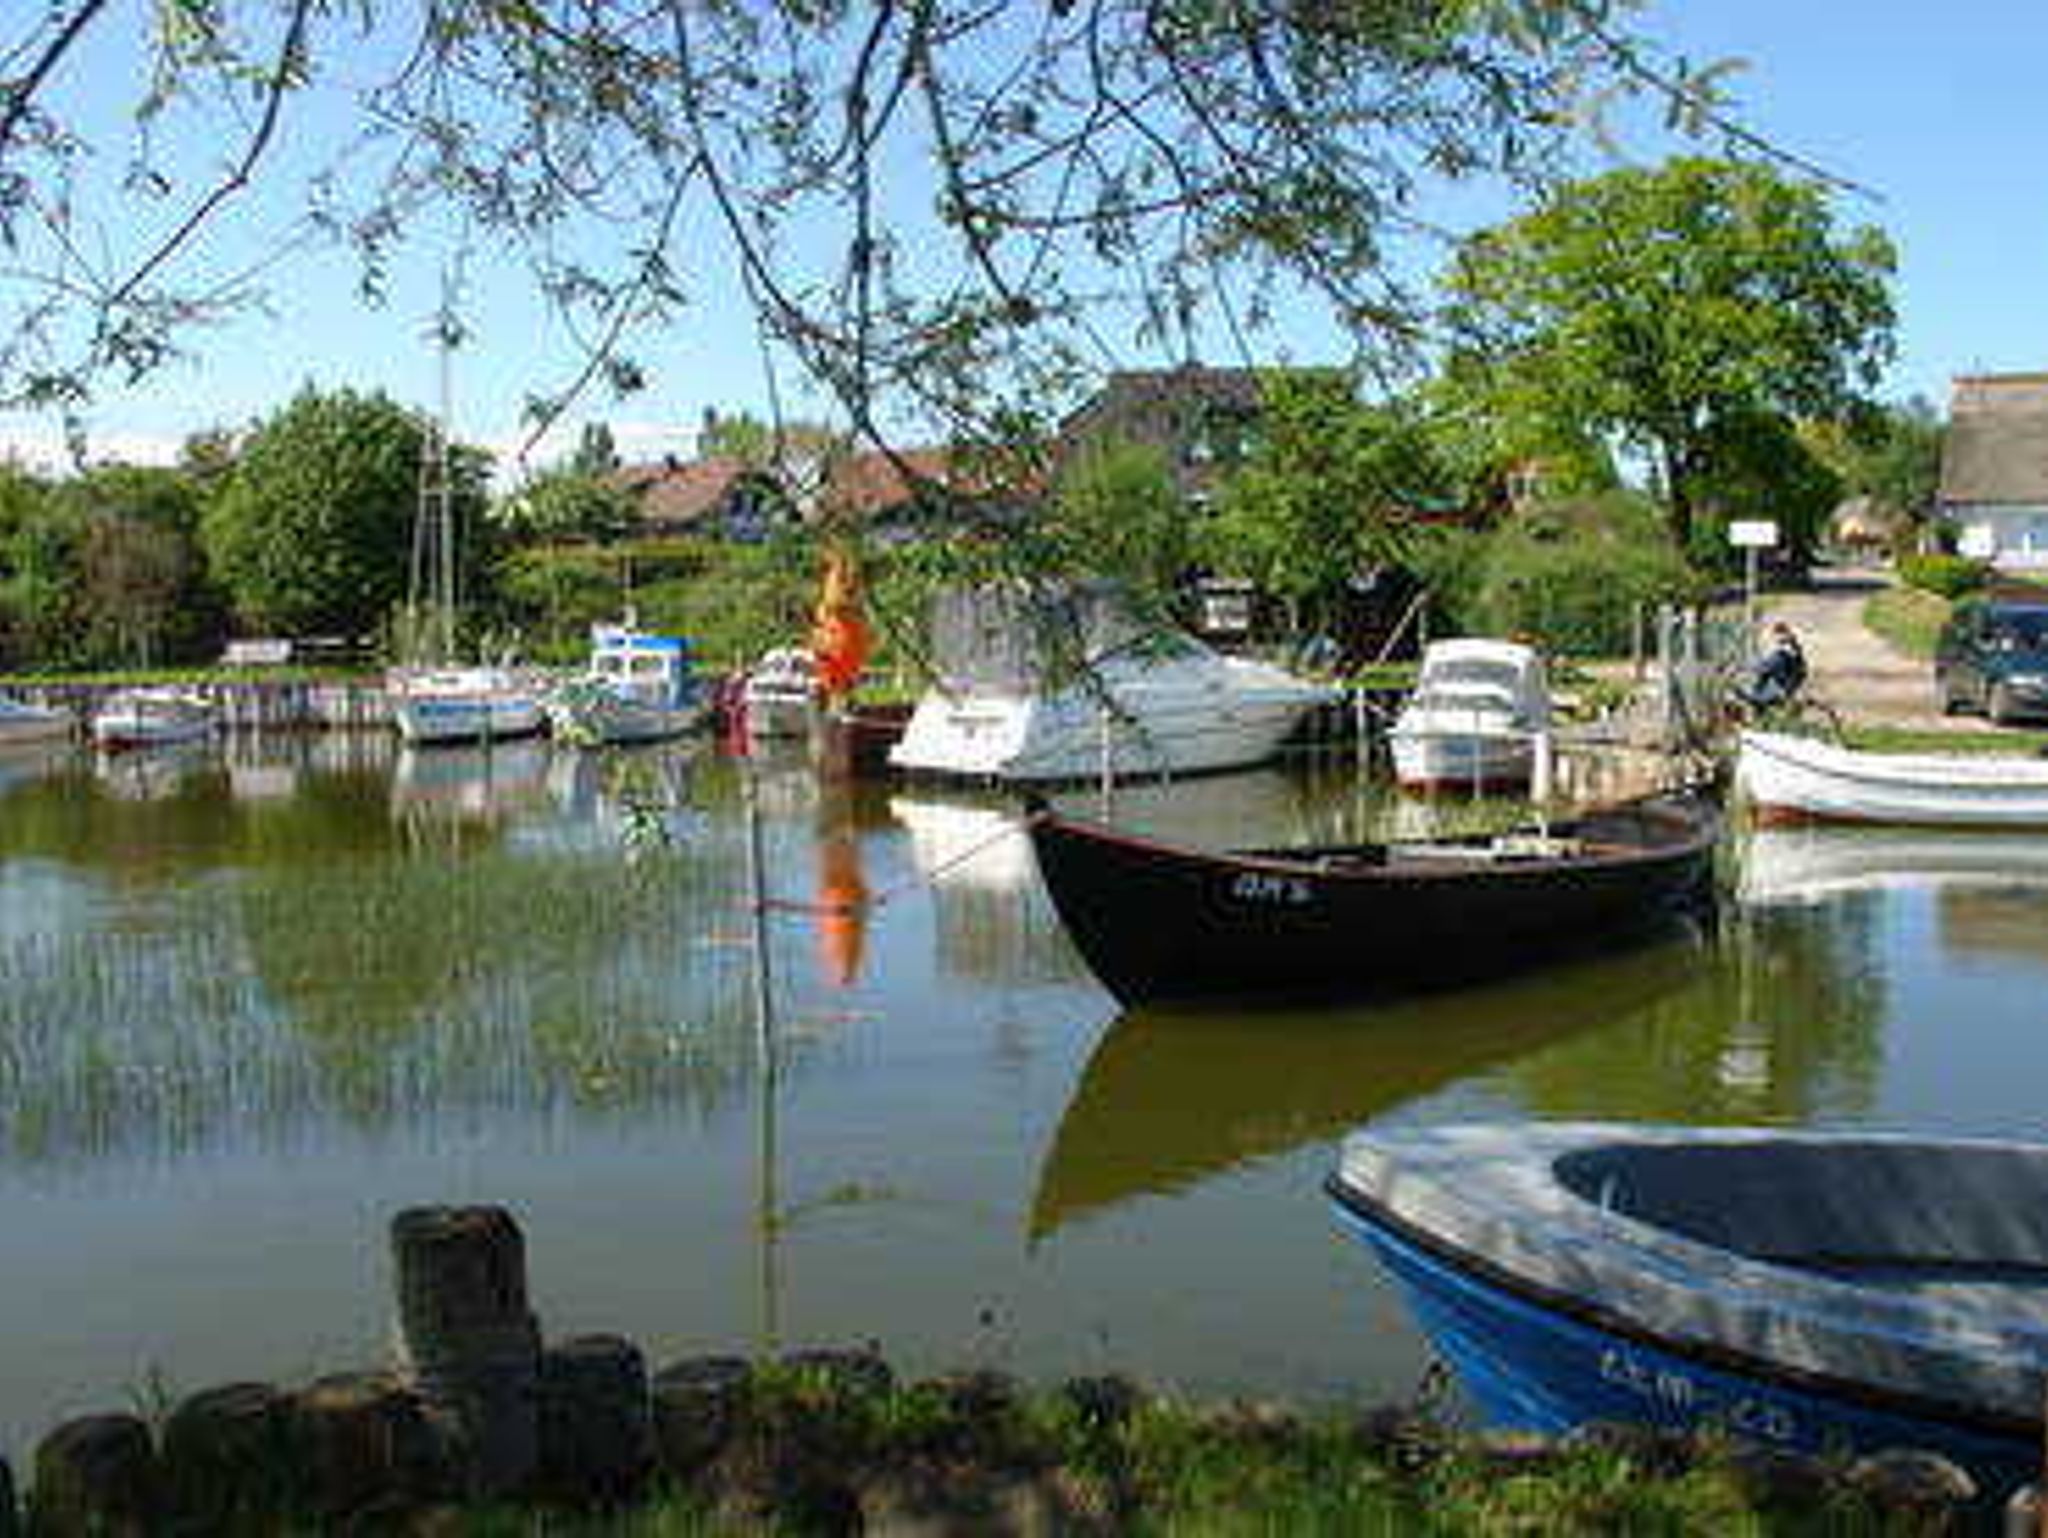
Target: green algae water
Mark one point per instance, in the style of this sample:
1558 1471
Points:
255 1000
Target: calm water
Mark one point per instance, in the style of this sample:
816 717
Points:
254 1003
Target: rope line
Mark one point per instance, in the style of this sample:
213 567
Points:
890 894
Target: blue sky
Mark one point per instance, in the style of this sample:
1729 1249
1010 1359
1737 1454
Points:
1936 112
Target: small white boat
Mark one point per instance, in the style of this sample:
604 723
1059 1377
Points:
1797 779
23 722
1475 720
638 687
154 717
463 704
1134 701
1819 1292
780 694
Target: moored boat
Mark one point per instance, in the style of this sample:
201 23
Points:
23 722
153 717
779 696
1476 719
463 704
1168 922
638 687
1817 1292
1131 701
1783 778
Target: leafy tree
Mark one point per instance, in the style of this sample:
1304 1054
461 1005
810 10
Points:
1116 513
38 561
143 595
313 531
596 453
566 504
1888 452
932 206
1321 495
1672 308
1761 467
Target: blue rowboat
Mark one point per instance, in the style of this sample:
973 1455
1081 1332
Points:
1814 1292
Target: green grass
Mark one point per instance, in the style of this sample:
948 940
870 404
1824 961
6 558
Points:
1905 739
1909 618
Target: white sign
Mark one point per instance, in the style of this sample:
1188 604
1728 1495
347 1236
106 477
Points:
1753 534
1978 542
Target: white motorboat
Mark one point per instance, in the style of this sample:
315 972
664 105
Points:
1798 779
1477 719
638 687
780 694
23 722
154 717
463 704
1133 701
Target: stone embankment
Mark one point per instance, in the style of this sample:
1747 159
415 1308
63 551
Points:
480 1413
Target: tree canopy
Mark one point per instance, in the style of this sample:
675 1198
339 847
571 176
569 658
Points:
312 532
1673 308
932 207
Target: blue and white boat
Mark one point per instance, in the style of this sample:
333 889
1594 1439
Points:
1816 1292
638 687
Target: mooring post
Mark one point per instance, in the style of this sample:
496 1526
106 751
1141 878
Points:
471 1345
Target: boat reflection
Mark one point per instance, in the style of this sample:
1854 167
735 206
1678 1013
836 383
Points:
1815 864
23 763
991 921
154 773
1989 890
469 784
1169 1101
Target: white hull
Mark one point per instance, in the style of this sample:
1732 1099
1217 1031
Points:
774 715
464 705
149 719
31 723
614 721
1792 778
1437 757
1169 719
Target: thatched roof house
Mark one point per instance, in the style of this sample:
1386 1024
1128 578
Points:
1994 468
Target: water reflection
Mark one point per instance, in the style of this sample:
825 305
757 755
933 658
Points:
1168 1101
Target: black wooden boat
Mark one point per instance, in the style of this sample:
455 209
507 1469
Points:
1160 922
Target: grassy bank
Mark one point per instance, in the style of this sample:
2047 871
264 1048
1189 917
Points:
1909 618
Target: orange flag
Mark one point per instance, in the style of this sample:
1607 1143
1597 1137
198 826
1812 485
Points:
839 635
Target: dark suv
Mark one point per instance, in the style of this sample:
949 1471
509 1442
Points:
1993 657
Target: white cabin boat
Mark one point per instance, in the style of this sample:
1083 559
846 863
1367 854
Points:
1131 701
1476 719
23 722
1797 779
780 694
638 687
154 717
463 704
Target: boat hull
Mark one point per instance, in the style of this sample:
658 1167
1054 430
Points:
472 705
1818 1291
1454 760
619 722
1531 1367
29 723
1033 740
1160 923
152 721
1790 779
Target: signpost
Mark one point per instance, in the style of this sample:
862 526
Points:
1749 535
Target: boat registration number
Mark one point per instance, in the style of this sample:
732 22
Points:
1678 1392
1271 890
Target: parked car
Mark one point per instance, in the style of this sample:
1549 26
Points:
1993 657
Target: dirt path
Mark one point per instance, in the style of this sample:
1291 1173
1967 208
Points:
1850 667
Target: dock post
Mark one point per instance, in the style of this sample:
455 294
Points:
471 1346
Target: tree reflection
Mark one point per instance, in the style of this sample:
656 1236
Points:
1784 1027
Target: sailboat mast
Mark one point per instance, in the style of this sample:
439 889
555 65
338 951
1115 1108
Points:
437 502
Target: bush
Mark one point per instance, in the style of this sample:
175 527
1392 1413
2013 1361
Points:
1575 576
1949 576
